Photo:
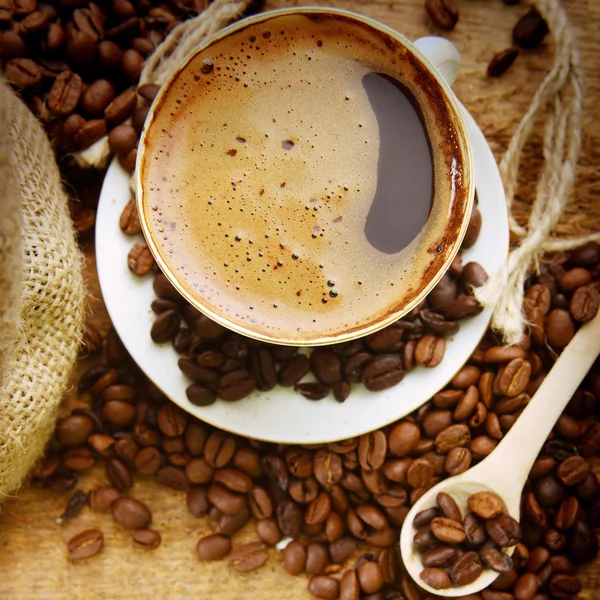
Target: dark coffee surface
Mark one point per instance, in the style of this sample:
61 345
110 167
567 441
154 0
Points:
289 177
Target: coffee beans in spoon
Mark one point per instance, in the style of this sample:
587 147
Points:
456 550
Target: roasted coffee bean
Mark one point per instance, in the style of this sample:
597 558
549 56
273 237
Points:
121 107
65 93
496 560
514 377
131 64
504 530
131 513
101 498
452 437
89 133
197 501
263 368
140 262
119 413
125 449
289 518
122 139
403 438
465 569
436 324
560 328
533 510
372 449
171 420
530 29
573 470
293 370
382 372
226 501
564 586
370 577
85 544
324 586
435 578
349 586
303 491
448 507
439 556
294 558
172 477
584 304
458 460
342 549
501 62
317 558
486 505
268 531
582 543
213 547
549 492
429 351
327 467
526 586
419 473
146 539
236 385
74 430
447 530
461 308
148 460
566 515
326 366
76 502
200 395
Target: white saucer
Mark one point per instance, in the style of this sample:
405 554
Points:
282 415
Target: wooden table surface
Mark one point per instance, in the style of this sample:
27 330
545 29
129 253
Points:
33 559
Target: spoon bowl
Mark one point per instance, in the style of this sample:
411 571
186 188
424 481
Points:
505 470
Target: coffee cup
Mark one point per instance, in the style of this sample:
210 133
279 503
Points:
305 176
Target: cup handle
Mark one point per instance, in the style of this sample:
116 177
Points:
442 54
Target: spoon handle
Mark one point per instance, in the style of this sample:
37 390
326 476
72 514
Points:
510 462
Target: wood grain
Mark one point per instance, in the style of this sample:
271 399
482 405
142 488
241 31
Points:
34 562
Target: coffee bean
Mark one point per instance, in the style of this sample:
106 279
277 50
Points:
131 513
200 395
403 438
146 539
514 377
213 547
131 64
372 449
487 505
419 473
118 412
382 372
462 308
435 578
496 560
370 577
327 467
197 501
326 365
65 93
236 385
530 29
101 498
148 460
74 430
573 470
452 437
564 586
526 586
458 460
501 62
439 556
465 569
317 558
36 22
172 477
324 586
533 510
268 531
349 586
122 139
549 492
121 107
444 13
85 544
584 304
560 328
171 420
293 370
436 324
504 530
582 544
566 515
248 557
294 558
24 73
449 508
447 530
429 351
289 518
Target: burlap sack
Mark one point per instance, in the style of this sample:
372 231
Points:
41 291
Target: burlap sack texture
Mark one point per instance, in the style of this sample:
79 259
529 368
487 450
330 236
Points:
41 291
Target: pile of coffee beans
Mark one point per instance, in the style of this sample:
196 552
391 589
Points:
341 499
76 63
456 550
225 365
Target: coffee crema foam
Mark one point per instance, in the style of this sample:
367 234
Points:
260 170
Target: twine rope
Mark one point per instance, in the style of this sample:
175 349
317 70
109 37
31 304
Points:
560 98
